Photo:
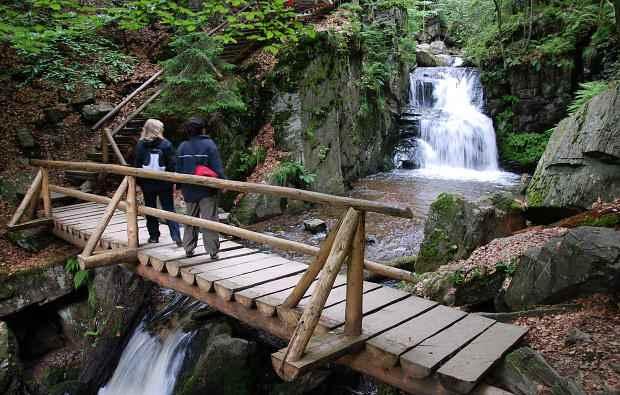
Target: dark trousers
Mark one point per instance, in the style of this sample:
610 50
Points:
166 199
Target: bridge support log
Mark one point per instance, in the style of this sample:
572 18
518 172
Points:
313 270
355 279
29 199
105 219
132 213
108 258
45 193
310 318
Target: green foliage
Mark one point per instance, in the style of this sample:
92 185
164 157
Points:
289 173
192 87
81 278
249 160
457 278
58 41
585 93
507 268
524 148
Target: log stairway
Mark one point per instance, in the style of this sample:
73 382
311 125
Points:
325 310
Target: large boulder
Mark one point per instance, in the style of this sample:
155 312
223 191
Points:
584 260
526 372
218 364
120 297
94 112
253 208
10 366
455 227
36 286
581 163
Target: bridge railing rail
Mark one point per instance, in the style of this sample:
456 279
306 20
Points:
344 244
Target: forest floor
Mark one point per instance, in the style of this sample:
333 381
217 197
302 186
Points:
592 359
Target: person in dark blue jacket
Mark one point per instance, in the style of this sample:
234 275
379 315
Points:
200 201
154 152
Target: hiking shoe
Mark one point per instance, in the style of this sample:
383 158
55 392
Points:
189 254
179 243
153 240
214 256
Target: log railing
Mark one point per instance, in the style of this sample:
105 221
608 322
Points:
344 244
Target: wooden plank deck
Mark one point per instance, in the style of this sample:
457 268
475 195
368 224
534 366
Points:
412 343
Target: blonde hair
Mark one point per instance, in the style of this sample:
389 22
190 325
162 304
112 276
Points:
152 129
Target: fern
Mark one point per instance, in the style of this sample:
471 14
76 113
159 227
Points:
586 92
294 174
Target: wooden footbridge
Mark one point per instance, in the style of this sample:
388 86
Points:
326 315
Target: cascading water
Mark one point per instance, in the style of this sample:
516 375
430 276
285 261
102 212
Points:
453 134
154 355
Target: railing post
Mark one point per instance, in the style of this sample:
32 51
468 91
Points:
310 317
132 213
28 199
313 270
355 279
45 193
93 240
105 153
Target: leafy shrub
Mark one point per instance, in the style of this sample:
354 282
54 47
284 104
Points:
289 173
524 149
249 160
81 278
586 92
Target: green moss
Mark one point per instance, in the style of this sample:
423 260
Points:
447 205
536 192
406 262
605 221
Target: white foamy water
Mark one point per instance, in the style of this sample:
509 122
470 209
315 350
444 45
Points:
455 138
149 364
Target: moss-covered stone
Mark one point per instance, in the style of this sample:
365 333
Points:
10 366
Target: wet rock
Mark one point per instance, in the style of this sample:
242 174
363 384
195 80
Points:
25 139
301 385
439 48
585 260
455 227
432 30
10 366
218 364
121 297
56 114
224 218
426 58
524 371
524 182
68 388
315 225
94 112
35 286
575 336
83 94
408 164
253 208
581 163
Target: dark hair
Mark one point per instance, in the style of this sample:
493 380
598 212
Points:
194 126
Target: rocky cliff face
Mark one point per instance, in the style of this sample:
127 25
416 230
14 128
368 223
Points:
581 163
324 116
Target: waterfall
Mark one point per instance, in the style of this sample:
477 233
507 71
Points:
454 134
151 361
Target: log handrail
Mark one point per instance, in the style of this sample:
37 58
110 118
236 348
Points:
126 100
276 242
239 186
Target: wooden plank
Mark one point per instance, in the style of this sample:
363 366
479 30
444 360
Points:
463 371
62 209
267 304
224 273
320 350
80 212
165 253
91 224
422 360
247 296
337 295
334 316
84 218
388 346
374 324
226 288
228 249
204 263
